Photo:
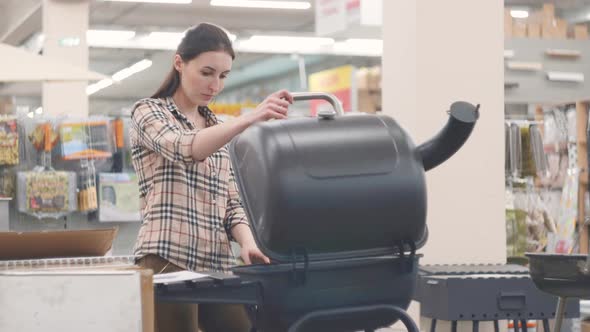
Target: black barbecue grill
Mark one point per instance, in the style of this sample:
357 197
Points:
339 205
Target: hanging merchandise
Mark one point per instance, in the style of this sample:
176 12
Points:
555 145
528 166
87 196
119 154
85 139
9 143
44 192
516 228
515 151
6 183
119 197
564 240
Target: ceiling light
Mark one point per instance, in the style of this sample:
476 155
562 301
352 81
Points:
518 13
155 1
369 46
119 76
168 40
262 4
175 38
39 110
293 41
105 36
92 88
285 44
131 70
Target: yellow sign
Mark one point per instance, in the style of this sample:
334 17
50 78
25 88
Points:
331 80
337 81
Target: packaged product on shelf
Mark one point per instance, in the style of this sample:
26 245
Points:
87 196
43 132
119 197
6 183
9 143
87 138
47 193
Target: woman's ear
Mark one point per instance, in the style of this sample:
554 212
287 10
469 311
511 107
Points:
178 63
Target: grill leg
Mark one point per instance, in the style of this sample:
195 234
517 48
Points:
454 326
546 325
496 326
524 327
475 326
433 325
560 312
516 328
322 314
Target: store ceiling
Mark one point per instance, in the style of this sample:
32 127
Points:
20 20
144 18
573 11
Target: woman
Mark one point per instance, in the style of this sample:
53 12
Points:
189 201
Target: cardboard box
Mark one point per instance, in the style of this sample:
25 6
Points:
52 244
535 17
369 101
548 31
365 102
580 33
533 30
561 29
48 278
72 301
519 29
507 23
374 78
548 11
362 78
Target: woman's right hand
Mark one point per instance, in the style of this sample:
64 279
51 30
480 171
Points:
275 106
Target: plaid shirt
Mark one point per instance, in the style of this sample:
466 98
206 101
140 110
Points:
188 208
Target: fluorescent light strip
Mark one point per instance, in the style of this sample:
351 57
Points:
369 46
131 70
93 88
155 1
168 40
262 4
105 36
290 40
119 76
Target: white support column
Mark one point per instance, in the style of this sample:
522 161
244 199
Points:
437 52
64 26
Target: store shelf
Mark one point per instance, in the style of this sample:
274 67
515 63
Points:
562 78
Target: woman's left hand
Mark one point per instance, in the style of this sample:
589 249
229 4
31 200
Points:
253 255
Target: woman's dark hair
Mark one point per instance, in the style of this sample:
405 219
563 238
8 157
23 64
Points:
199 39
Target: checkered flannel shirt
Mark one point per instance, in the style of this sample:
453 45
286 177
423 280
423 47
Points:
188 208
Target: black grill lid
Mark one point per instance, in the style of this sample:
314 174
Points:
331 187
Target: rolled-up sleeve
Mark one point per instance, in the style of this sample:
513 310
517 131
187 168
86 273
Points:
234 213
157 133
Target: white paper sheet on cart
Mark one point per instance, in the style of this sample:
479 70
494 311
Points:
175 277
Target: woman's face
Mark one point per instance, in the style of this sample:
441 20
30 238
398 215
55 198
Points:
202 78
